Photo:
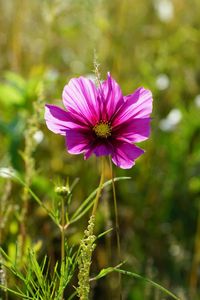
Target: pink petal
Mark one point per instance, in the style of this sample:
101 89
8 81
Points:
80 99
58 120
112 95
125 155
136 105
135 130
78 141
99 148
102 149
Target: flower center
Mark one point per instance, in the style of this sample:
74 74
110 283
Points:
102 129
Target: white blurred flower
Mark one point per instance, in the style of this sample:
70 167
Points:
38 136
197 101
175 250
173 118
162 82
178 252
7 172
164 9
165 125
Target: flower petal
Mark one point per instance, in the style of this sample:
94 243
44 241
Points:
136 105
99 148
112 95
102 149
78 141
80 99
58 120
135 130
125 155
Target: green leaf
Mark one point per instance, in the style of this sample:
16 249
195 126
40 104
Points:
9 95
153 283
87 203
15 80
72 296
10 173
108 270
15 292
13 90
103 273
104 233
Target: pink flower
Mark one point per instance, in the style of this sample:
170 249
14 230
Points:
101 120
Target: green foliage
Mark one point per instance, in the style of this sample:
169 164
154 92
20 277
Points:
39 285
36 281
106 271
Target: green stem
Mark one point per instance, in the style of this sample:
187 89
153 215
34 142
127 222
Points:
96 201
196 259
116 225
62 230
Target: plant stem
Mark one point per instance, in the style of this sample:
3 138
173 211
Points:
96 201
29 170
62 229
196 259
116 225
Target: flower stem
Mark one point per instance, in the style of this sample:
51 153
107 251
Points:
116 224
64 193
62 229
96 201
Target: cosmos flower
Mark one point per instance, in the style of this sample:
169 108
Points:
101 121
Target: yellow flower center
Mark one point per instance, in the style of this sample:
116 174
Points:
102 129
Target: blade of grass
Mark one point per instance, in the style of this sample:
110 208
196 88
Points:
15 292
72 296
14 175
106 271
104 233
153 283
88 202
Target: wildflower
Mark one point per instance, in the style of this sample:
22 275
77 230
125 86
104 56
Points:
101 120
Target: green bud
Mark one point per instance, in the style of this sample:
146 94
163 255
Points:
62 190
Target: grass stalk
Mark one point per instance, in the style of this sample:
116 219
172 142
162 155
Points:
116 226
196 260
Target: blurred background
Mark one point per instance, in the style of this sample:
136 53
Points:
151 43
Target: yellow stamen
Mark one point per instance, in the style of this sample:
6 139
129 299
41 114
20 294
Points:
102 129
